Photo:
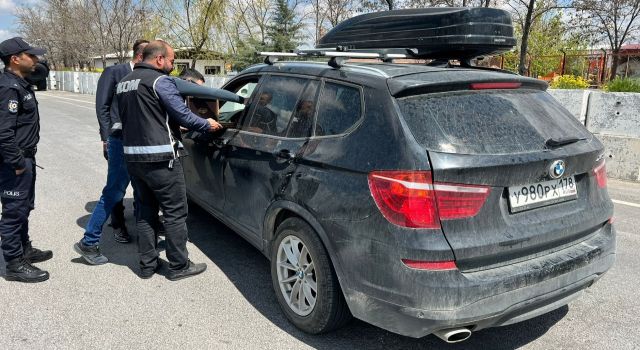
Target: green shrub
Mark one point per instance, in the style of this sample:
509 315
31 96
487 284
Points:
623 85
569 82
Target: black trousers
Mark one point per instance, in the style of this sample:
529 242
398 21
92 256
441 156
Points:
17 195
160 187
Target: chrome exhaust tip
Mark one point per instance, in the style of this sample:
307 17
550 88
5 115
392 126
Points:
453 335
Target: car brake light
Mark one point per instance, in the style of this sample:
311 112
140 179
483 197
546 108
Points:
601 175
430 265
411 199
405 198
487 86
456 201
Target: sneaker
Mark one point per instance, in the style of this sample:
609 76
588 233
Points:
22 271
190 270
90 253
121 235
34 255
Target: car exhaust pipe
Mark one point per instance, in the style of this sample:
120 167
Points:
453 335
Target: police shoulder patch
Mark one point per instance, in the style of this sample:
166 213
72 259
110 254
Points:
13 106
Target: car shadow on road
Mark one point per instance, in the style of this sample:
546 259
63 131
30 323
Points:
249 271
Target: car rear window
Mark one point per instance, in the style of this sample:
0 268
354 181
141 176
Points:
488 122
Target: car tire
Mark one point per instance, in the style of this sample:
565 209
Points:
329 310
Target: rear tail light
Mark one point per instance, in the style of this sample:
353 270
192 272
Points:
430 265
498 85
412 199
600 173
457 201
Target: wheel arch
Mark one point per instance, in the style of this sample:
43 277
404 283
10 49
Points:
282 210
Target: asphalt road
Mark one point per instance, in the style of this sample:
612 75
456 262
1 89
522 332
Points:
232 305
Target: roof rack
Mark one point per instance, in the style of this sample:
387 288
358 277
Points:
337 58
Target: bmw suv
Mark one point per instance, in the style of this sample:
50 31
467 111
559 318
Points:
419 199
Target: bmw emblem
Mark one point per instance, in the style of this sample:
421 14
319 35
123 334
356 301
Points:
557 169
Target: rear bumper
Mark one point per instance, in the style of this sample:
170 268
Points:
430 301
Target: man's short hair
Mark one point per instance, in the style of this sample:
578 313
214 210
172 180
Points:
191 74
155 48
138 47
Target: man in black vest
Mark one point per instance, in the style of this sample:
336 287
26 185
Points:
152 111
19 136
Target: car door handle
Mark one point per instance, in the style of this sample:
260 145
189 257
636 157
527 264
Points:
220 142
284 154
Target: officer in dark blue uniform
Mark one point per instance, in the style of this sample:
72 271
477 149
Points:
19 136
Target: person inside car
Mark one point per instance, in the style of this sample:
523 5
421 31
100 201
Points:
264 119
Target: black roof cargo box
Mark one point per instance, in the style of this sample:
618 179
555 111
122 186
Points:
438 33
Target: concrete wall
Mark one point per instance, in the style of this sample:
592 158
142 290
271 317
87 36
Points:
614 117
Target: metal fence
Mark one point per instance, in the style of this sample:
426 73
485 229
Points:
595 66
86 83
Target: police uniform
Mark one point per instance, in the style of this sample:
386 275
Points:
19 136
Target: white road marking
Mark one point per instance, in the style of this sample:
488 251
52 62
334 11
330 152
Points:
66 98
635 205
73 104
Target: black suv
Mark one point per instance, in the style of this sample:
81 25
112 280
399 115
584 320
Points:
419 199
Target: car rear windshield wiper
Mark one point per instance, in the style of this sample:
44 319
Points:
555 143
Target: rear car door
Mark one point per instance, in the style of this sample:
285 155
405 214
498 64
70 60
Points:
260 159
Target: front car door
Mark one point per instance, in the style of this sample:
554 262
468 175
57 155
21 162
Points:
204 166
261 157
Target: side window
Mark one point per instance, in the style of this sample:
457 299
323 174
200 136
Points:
230 110
302 122
274 105
339 109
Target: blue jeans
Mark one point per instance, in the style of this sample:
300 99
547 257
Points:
112 193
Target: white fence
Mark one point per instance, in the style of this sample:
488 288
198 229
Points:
86 83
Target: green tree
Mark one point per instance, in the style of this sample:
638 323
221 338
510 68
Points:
525 13
284 32
247 53
190 23
549 36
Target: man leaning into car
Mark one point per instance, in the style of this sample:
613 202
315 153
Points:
152 111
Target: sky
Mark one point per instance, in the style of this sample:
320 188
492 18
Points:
7 19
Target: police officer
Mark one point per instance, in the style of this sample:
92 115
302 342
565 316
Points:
152 111
19 136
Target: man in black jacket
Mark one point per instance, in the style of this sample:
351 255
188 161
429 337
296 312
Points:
152 112
19 136
110 202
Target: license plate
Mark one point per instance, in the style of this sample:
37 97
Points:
542 193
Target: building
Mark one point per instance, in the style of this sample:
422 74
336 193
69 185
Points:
212 63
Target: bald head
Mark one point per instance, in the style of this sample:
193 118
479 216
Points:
160 55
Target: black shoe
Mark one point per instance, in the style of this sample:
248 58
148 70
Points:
121 235
34 255
190 270
147 273
22 271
